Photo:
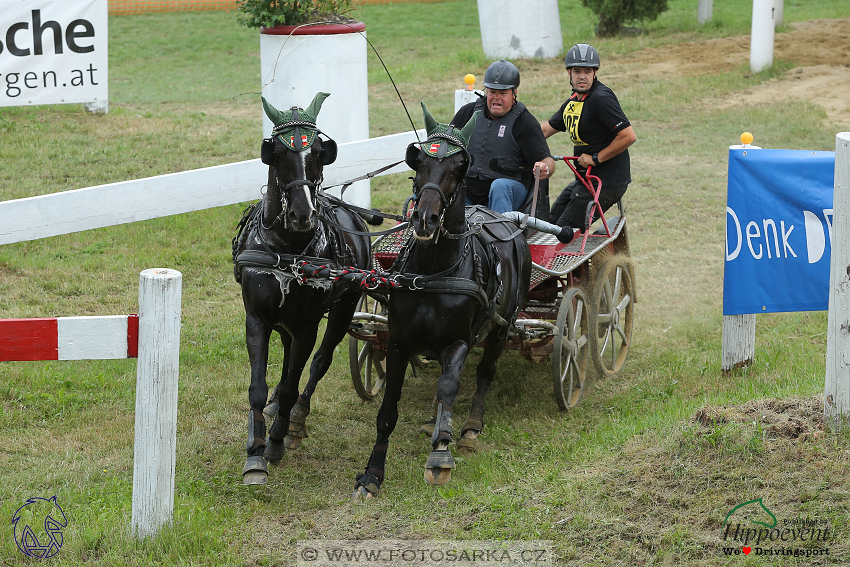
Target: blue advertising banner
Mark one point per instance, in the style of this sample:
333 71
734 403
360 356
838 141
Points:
778 231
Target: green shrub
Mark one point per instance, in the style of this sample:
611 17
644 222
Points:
270 13
614 13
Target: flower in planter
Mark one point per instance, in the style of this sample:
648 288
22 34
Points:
271 13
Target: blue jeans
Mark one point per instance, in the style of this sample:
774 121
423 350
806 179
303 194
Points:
505 195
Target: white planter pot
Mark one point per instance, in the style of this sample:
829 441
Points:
520 30
298 63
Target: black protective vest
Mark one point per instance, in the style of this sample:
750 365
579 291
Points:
485 142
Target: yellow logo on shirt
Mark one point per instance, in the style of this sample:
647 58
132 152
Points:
572 114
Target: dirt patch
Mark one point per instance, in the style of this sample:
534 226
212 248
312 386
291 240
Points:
779 419
819 48
814 42
825 85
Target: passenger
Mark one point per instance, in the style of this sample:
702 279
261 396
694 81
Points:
601 135
508 132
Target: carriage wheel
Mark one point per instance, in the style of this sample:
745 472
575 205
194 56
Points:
570 349
612 315
366 361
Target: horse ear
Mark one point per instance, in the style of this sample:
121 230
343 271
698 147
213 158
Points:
466 131
328 152
275 115
316 105
411 157
430 123
267 151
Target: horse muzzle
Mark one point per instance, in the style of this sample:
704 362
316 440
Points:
425 224
299 222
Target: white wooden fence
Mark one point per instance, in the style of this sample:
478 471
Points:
836 407
176 193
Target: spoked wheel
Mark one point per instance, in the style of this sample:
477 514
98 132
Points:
365 349
612 315
570 349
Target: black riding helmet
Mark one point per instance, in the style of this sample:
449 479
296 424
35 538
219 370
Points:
501 75
581 55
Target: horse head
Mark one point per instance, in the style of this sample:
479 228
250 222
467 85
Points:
440 163
296 157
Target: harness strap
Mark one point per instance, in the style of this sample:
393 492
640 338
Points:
369 175
533 202
396 228
337 202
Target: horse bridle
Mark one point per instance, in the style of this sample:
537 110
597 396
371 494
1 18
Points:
295 123
284 203
446 202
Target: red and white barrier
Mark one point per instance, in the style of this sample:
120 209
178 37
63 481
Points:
153 337
70 338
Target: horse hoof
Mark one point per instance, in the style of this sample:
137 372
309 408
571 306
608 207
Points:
274 451
467 446
270 411
256 471
427 428
438 477
255 478
360 493
292 442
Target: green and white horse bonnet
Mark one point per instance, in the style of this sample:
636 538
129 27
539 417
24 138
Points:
296 129
443 139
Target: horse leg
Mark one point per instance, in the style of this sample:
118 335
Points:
339 319
257 336
368 483
468 443
438 467
302 346
273 405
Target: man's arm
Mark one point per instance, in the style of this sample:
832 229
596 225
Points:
548 131
621 142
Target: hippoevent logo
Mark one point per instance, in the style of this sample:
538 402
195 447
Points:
37 526
751 527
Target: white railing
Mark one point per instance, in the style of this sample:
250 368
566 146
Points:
176 193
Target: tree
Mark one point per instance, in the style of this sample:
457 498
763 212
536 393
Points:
614 13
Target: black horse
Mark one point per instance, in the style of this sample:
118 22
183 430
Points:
290 224
470 278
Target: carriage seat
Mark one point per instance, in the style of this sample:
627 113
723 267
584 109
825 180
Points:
542 211
612 223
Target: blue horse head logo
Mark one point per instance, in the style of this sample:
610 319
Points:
41 513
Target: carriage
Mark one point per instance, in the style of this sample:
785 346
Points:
475 270
580 305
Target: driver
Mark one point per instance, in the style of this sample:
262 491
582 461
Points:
601 135
507 131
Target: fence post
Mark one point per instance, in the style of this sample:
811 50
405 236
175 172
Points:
836 407
739 341
762 35
160 291
739 331
704 11
779 13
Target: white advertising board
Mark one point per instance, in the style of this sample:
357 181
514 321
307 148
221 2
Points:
53 52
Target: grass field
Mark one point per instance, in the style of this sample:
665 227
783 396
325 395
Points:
642 473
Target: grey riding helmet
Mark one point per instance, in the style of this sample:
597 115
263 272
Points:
501 75
582 55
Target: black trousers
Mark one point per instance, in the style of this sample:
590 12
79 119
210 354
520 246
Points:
570 207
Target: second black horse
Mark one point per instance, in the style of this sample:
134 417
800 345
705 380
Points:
472 270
